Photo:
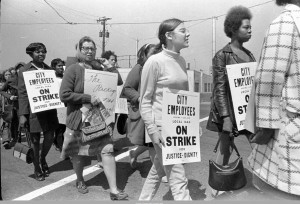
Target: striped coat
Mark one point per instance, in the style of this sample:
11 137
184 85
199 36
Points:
278 105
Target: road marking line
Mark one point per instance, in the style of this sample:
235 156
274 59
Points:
65 181
203 119
71 178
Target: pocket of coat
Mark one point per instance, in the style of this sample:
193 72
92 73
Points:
292 130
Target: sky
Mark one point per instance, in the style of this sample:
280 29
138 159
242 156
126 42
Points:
59 24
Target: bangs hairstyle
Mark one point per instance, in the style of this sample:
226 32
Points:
167 26
107 55
234 19
283 2
35 46
83 40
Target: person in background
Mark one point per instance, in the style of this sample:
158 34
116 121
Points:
7 74
57 65
275 157
12 71
18 66
131 93
6 138
10 91
71 93
44 121
8 106
112 59
165 69
237 27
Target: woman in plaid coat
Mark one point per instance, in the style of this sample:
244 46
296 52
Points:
275 158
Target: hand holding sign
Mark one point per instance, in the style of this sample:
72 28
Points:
227 125
95 100
157 138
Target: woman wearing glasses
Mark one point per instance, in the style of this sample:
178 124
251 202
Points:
45 121
71 92
165 69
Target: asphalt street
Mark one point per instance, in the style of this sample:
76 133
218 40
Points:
17 180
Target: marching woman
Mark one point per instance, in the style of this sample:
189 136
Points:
237 27
71 93
165 69
45 121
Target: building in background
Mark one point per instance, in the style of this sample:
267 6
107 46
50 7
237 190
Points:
198 82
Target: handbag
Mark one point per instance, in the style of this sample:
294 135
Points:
7 114
94 125
22 151
229 177
122 123
136 126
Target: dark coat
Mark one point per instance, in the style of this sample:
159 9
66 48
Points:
221 101
41 121
131 92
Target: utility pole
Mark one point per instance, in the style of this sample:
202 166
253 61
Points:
213 39
137 48
104 33
214 36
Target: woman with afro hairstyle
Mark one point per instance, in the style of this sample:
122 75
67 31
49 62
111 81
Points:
237 27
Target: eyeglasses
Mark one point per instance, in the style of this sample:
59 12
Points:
86 49
182 31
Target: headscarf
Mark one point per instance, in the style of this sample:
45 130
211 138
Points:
82 57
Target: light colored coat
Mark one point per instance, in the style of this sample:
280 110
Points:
278 104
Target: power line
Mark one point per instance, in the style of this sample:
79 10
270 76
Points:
60 5
128 23
248 7
57 12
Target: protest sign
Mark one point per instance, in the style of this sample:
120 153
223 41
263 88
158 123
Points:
241 78
102 85
180 126
61 112
121 103
43 90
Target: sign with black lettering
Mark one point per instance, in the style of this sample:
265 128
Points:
241 79
180 126
102 85
43 90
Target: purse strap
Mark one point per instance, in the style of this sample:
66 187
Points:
231 144
27 135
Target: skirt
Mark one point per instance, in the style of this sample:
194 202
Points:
73 145
278 162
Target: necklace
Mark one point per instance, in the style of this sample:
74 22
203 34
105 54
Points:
37 66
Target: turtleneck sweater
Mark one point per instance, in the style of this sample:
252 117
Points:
165 69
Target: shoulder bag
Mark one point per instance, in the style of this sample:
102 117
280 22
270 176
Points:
229 177
94 125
